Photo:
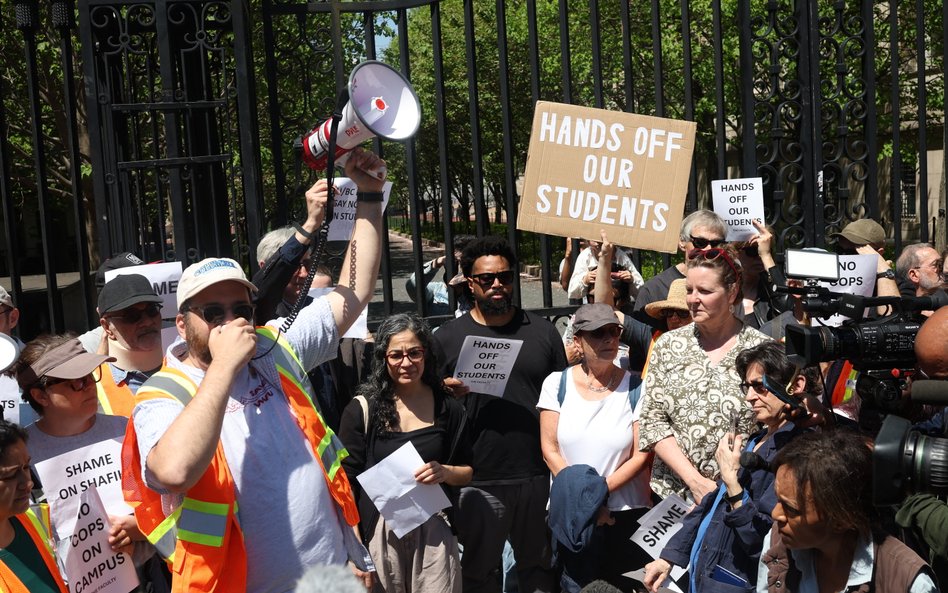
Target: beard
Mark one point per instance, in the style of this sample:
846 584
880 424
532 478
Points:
197 344
489 307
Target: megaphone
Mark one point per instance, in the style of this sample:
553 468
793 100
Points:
381 103
9 352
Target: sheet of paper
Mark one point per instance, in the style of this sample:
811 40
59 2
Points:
66 477
344 207
857 275
668 586
660 524
403 502
484 364
739 202
91 565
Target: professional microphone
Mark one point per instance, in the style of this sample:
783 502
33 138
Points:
930 391
751 461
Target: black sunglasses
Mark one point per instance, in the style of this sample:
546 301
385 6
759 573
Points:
679 313
487 278
702 243
151 310
215 314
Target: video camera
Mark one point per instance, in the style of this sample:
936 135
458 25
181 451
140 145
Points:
883 349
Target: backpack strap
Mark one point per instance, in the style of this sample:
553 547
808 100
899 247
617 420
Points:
364 403
635 390
561 394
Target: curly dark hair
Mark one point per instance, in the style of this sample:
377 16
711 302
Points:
837 466
489 245
378 388
772 356
10 434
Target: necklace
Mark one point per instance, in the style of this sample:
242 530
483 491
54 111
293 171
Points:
604 388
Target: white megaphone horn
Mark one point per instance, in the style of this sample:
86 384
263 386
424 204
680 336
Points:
9 352
381 103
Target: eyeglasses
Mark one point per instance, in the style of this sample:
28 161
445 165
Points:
702 243
601 333
79 384
713 254
679 313
130 316
757 386
487 278
937 265
215 314
395 357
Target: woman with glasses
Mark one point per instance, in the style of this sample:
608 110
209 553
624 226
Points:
58 378
692 389
721 539
404 401
589 416
27 562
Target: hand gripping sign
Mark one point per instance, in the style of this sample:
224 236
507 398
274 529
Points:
91 564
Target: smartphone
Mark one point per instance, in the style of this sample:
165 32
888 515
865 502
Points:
780 391
735 417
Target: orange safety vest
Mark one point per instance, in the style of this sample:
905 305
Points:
201 540
114 400
845 384
9 583
648 355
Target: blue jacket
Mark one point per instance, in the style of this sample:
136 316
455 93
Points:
734 538
576 494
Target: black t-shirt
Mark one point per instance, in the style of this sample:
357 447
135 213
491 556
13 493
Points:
655 289
505 430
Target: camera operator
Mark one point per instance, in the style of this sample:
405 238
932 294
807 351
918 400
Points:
925 514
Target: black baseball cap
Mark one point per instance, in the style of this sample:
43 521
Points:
120 260
124 291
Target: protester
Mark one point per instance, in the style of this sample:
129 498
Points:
692 386
673 309
586 270
737 518
404 401
229 422
92 340
59 379
26 558
130 318
507 495
919 268
867 237
437 294
826 534
587 417
702 229
9 317
760 302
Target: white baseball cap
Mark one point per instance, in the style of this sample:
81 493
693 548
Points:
208 272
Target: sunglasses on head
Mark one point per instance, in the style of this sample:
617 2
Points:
713 254
397 356
702 243
151 310
679 313
216 314
487 278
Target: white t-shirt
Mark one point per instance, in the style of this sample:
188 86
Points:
287 514
598 434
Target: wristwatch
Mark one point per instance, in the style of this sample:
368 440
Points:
889 274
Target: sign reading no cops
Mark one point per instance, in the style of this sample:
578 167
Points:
91 564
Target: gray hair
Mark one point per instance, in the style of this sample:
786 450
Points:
271 243
705 218
910 257
329 579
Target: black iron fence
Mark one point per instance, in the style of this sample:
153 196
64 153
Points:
170 128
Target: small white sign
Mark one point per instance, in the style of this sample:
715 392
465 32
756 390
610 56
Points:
344 207
68 476
739 202
402 501
91 565
857 275
164 278
660 524
485 364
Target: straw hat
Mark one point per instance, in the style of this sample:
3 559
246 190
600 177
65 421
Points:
675 300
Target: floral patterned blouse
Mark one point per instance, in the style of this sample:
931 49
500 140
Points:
692 400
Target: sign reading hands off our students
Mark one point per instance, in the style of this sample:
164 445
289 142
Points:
592 169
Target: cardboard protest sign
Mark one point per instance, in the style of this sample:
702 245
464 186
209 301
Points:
91 565
592 169
484 364
344 207
739 202
857 275
66 477
164 278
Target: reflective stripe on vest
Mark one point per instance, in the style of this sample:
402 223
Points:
39 536
165 536
845 384
114 400
203 522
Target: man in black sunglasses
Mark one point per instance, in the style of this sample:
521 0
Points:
702 229
507 498
130 318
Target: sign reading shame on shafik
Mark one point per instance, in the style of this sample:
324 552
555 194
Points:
592 169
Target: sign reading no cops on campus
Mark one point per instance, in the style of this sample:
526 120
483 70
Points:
592 169
484 364
91 564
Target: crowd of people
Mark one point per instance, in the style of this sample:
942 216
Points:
243 443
